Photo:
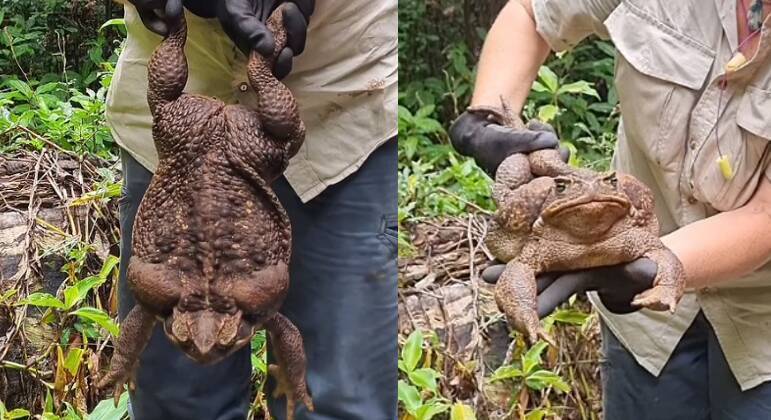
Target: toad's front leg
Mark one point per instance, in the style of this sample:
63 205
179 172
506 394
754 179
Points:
290 372
516 295
668 285
135 333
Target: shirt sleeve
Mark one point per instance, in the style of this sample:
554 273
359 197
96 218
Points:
564 23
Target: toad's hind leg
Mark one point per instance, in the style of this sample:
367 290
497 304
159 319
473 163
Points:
276 106
167 68
515 294
135 333
517 215
154 285
512 173
669 284
290 372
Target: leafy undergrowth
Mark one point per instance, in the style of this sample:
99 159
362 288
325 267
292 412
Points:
454 338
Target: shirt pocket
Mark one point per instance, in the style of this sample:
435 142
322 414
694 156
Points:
747 145
660 71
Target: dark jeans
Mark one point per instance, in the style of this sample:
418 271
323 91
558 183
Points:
695 384
342 297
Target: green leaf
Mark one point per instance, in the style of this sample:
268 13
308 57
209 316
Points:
536 414
547 113
582 87
460 411
506 372
426 125
77 292
575 159
532 358
606 47
113 22
428 411
7 295
425 111
542 378
49 402
424 378
412 350
106 409
21 87
99 317
539 87
48 87
409 396
570 316
70 413
41 299
17 413
108 266
72 361
549 79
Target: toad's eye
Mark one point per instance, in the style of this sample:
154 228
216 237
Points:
561 185
612 180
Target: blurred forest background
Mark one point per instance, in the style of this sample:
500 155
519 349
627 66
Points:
60 184
455 339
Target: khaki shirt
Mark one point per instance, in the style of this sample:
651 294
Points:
345 83
670 56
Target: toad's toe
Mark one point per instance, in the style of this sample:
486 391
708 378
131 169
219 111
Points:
658 298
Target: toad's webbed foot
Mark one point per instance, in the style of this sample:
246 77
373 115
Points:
669 284
658 298
290 372
135 333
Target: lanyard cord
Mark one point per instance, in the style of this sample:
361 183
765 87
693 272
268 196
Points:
754 22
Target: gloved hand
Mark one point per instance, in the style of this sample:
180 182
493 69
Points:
489 144
244 22
615 285
158 15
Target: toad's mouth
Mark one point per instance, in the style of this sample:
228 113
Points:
593 205
207 336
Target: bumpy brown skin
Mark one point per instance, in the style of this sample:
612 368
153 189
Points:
553 217
211 241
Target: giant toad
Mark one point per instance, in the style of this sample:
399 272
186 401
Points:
211 241
552 217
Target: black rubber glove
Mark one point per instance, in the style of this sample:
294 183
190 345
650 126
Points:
615 285
244 22
489 144
158 15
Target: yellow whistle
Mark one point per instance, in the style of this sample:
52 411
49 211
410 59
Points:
725 167
735 63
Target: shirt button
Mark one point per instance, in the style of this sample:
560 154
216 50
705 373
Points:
693 145
692 200
243 87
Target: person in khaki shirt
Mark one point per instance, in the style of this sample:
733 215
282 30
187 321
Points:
339 192
694 84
